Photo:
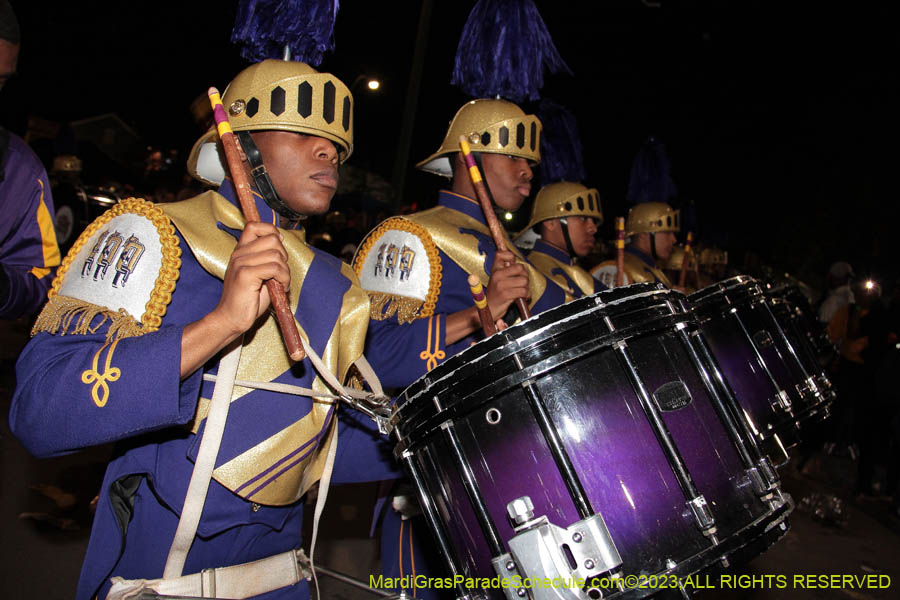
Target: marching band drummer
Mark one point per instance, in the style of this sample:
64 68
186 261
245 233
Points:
652 227
565 216
416 268
141 311
672 267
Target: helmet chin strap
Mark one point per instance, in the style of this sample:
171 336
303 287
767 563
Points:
487 186
653 246
565 231
262 180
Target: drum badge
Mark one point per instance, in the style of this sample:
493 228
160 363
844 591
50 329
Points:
128 260
104 253
387 261
407 255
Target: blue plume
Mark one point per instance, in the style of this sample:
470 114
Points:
503 50
650 178
561 158
263 28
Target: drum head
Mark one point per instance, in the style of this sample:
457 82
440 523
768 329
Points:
734 290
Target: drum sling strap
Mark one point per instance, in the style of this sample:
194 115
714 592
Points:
260 576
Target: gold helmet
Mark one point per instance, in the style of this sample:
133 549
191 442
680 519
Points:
494 126
66 163
651 217
564 199
676 258
279 95
713 256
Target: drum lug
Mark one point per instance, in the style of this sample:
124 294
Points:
782 401
703 515
763 479
540 549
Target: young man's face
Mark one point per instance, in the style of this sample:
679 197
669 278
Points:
9 57
303 168
581 233
664 242
509 178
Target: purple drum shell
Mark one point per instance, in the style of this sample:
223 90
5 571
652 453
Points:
754 390
613 448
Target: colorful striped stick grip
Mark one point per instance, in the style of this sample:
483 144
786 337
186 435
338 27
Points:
682 277
244 191
620 251
484 311
487 208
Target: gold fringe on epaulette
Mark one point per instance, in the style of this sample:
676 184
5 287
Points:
64 315
384 306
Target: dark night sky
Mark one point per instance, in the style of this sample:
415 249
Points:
780 122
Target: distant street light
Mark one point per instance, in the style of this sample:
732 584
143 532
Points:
373 84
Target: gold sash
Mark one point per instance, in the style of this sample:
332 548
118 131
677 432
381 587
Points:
264 356
546 264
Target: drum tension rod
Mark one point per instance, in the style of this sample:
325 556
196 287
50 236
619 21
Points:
782 397
807 378
557 450
430 512
695 500
760 471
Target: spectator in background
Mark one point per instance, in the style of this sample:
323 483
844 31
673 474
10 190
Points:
28 250
835 309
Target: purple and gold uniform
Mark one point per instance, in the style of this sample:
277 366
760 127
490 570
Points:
415 269
558 203
645 218
569 280
639 268
94 373
28 250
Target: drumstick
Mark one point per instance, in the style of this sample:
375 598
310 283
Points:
682 278
620 251
251 215
488 210
484 311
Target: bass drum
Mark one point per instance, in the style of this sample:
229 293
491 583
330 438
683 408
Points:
595 441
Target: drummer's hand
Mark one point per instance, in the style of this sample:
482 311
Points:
506 283
501 325
258 256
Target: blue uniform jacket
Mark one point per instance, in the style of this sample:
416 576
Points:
148 411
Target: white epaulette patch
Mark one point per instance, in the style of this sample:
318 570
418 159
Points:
400 260
126 260
606 274
117 266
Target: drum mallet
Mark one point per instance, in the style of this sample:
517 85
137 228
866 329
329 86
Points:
682 278
248 207
493 223
620 251
484 311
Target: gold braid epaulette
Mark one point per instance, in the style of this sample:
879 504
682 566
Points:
64 315
383 305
